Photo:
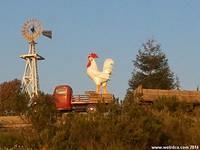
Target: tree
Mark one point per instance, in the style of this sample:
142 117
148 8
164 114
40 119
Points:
12 98
151 68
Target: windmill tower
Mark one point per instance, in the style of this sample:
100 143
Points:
31 31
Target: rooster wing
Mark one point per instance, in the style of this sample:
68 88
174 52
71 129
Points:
97 74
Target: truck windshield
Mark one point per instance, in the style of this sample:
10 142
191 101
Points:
61 91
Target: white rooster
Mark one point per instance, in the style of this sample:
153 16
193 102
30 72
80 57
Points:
100 78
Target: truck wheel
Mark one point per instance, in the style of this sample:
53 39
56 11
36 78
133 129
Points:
91 108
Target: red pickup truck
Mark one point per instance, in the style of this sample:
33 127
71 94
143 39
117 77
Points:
66 101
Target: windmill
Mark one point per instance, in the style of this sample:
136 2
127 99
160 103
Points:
31 31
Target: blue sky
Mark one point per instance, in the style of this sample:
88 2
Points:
111 28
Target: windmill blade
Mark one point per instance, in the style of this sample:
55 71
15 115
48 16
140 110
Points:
47 33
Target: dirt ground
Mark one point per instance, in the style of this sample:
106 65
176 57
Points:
13 122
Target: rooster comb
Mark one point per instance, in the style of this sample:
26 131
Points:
93 55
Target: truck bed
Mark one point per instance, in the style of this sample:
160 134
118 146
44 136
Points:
92 98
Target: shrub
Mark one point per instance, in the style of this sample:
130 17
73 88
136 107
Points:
10 139
42 113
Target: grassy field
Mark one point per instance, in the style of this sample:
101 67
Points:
13 122
124 126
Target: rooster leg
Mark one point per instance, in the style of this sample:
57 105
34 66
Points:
105 91
98 89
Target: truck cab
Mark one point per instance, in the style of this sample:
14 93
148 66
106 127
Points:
63 96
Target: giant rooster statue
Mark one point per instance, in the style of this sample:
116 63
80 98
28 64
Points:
100 78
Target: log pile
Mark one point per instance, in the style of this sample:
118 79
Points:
150 95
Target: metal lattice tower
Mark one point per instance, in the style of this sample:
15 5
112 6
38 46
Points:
31 31
30 79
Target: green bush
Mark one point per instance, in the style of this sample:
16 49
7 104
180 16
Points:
9 140
42 113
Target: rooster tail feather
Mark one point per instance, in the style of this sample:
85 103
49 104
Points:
108 66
